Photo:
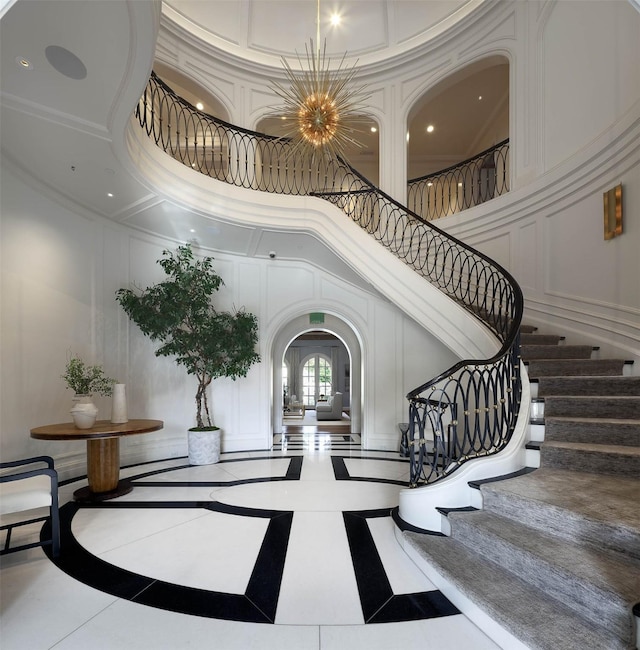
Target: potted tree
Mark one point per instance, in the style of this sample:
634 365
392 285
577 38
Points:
84 381
208 343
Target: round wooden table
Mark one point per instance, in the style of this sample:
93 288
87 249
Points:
103 453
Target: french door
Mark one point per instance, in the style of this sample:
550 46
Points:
316 379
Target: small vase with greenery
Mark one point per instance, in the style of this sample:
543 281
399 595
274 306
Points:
87 380
84 381
179 314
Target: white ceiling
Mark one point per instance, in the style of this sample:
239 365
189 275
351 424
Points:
60 131
369 30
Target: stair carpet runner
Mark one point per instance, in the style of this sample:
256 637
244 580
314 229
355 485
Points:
554 554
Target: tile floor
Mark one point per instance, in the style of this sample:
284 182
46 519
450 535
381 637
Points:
293 548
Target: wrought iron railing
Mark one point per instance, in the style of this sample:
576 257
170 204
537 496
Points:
461 186
468 411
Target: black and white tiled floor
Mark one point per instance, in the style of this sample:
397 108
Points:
293 548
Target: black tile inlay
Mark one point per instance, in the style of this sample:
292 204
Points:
373 585
414 607
379 603
77 562
403 525
263 589
259 602
341 473
258 605
199 602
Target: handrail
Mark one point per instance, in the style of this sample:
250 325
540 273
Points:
463 185
469 410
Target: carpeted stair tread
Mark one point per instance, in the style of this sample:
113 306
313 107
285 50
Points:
597 509
539 339
606 406
574 367
527 329
539 621
599 586
556 351
605 459
589 385
612 431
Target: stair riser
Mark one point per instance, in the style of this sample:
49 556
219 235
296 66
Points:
528 614
595 386
563 523
595 462
586 407
556 352
589 367
587 599
539 339
593 432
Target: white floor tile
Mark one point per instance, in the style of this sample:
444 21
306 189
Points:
403 574
318 585
371 467
128 626
447 633
40 604
318 496
216 552
100 531
318 607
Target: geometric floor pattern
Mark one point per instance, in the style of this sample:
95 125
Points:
299 540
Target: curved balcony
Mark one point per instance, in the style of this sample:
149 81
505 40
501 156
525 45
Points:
471 182
470 411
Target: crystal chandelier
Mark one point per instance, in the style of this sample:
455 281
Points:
322 110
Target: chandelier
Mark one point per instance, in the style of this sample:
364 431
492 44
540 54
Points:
322 111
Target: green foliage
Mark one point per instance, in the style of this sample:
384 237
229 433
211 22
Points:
87 380
178 313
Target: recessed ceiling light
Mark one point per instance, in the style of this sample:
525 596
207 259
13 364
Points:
374 129
192 230
109 194
430 128
199 106
24 63
479 98
336 19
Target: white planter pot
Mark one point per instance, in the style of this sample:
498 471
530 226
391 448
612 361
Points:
204 446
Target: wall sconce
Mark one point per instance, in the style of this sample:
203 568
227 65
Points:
613 212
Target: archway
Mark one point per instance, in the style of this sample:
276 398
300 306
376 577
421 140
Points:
332 325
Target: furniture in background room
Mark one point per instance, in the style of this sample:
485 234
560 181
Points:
25 488
331 409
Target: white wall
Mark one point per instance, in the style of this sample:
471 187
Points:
581 130
60 270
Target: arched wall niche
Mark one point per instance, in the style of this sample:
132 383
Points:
333 324
458 132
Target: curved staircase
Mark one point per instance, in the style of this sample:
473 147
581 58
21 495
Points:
554 555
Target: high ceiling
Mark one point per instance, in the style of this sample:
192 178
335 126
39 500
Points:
368 30
64 130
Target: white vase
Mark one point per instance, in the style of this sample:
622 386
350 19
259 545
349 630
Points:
84 412
119 405
204 446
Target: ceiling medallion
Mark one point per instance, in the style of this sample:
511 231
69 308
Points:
322 110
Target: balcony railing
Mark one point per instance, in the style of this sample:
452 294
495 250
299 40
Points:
461 186
466 412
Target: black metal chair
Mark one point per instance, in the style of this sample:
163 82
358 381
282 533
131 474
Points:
27 489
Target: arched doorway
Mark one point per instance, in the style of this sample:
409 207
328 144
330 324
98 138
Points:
346 375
